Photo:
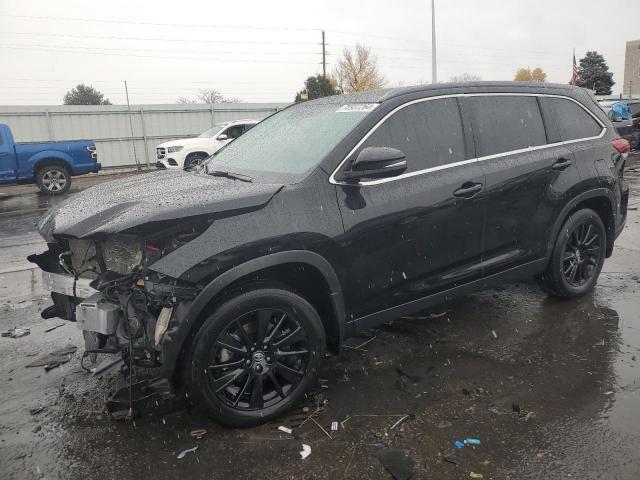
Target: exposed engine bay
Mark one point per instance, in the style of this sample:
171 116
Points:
121 306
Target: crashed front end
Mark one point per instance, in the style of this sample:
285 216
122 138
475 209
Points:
104 284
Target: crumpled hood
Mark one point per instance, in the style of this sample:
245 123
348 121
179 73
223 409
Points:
118 205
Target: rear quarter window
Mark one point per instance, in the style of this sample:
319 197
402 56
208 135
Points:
504 124
566 120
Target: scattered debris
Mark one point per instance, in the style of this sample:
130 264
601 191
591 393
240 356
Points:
609 393
540 455
475 475
55 358
284 429
54 327
495 335
398 463
184 453
444 424
198 433
458 444
334 426
449 456
321 428
16 332
472 441
306 451
37 410
400 422
437 315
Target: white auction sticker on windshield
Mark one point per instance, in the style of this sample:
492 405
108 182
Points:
357 107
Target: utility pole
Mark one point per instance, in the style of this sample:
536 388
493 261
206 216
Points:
324 57
133 140
434 62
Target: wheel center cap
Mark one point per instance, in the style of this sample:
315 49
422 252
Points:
578 256
258 357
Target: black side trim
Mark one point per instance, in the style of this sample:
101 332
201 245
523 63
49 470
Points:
523 271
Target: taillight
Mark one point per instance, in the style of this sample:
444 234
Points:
622 146
93 151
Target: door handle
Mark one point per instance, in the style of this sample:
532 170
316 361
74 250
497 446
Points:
468 190
561 164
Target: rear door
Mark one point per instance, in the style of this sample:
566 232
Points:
419 233
525 177
7 157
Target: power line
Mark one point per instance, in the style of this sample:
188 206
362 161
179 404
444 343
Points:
156 24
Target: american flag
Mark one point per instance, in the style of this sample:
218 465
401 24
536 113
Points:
575 78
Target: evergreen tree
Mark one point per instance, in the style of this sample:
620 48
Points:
595 75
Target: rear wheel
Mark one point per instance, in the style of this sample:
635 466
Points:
53 179
577 257
255 356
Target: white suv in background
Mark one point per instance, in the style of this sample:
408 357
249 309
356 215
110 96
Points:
189 152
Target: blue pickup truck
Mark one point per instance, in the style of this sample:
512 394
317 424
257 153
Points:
49 164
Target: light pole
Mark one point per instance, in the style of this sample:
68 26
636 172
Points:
434 62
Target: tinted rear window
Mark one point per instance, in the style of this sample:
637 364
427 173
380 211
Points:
429 133
504 124
567 120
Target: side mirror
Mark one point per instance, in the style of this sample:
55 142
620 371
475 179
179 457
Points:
375 162
222 137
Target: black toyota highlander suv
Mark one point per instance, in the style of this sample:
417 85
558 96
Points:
326 219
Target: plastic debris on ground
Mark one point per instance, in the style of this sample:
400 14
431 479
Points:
306 451
198 433
400 422
458 444
475 475
54 327
184 453
398 463
472 441
284 429
55 358
334 426
16 332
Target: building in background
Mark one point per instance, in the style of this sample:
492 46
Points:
631 87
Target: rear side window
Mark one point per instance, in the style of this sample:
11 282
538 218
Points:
504 124
566 120
429 133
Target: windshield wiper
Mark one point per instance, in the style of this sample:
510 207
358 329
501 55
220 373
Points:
235 176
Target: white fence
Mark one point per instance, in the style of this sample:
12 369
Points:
110 126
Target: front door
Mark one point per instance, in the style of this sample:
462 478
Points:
419 233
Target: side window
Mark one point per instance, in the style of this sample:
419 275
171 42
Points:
566 120
234 132
247 127
429 133
504 124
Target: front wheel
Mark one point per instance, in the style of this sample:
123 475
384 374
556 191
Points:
53 179
256 356
194 159
578 255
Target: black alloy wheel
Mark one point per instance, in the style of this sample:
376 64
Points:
255 356
578 255
194 159
259 359
582 254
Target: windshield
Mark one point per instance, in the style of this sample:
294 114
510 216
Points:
292 141
213 130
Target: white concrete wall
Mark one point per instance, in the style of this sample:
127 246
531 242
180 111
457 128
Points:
109 125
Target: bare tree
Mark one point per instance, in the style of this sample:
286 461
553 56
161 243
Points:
358 71
465 77
207 95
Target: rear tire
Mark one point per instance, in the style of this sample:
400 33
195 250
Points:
255 356
53 179
577 257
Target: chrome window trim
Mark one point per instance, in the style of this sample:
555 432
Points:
333 180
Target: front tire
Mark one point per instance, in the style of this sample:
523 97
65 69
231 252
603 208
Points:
53 179
578 256
194 159
255 356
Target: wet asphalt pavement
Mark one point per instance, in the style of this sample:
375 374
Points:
551 388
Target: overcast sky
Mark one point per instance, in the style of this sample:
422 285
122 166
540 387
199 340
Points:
166 49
